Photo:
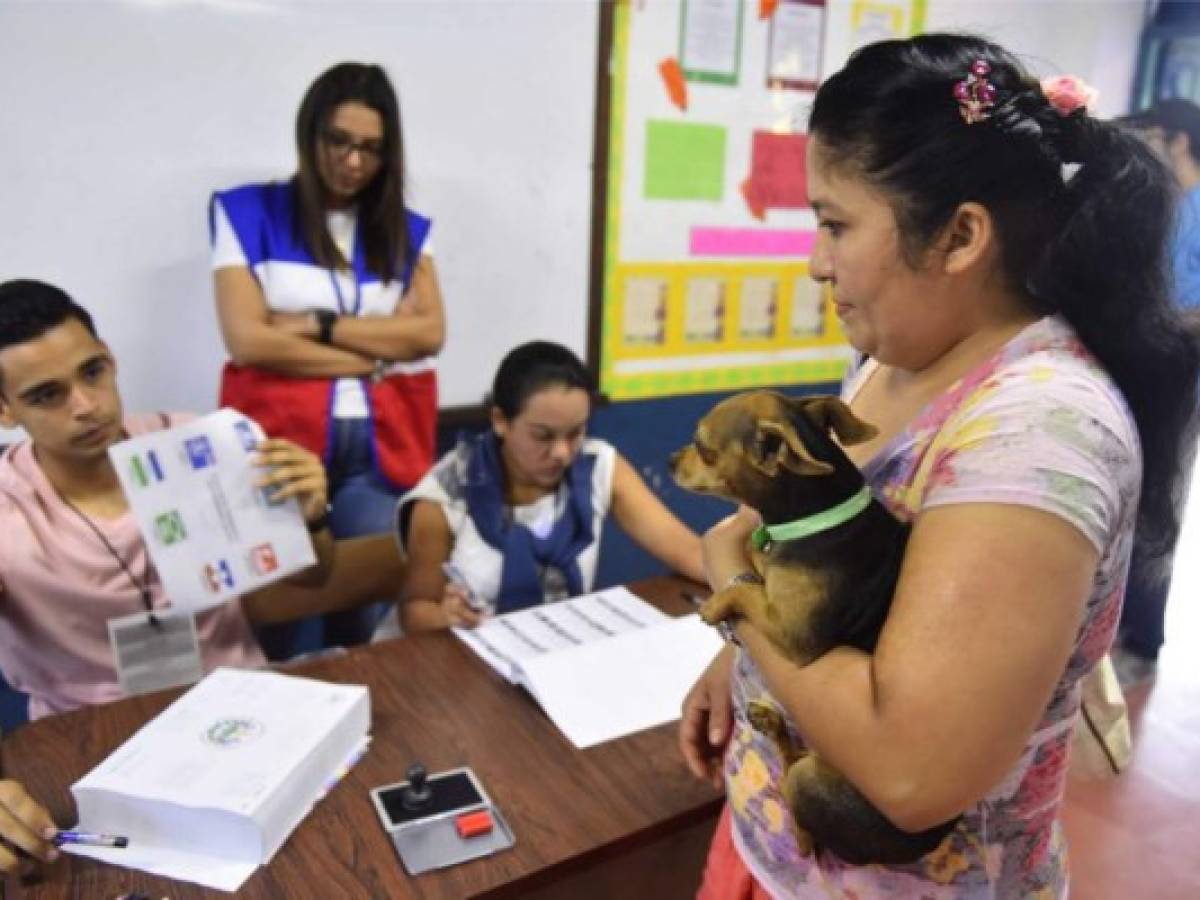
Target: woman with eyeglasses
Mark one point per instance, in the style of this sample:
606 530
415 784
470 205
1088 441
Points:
331 312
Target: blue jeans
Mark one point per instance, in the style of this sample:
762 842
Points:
1143 617
363 503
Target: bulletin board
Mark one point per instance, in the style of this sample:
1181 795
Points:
707 229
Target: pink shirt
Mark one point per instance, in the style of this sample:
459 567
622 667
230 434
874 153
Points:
59 586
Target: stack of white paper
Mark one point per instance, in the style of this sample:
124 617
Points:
602 665
210 789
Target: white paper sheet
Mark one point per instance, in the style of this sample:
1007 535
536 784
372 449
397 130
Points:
505 642
210 871
710 37
795 54
211 533
603 665
617 687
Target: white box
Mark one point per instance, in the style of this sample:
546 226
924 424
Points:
229 769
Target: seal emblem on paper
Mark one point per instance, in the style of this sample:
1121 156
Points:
233 732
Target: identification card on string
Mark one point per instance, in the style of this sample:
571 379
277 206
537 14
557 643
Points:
150 656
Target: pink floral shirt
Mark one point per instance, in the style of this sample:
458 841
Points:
1040 424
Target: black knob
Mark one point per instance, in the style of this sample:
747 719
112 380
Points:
417 793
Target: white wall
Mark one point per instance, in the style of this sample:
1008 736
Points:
121 117
1094 39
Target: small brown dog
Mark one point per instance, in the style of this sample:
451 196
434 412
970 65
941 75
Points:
830 588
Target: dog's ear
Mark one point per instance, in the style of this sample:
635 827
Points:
776 444
830 413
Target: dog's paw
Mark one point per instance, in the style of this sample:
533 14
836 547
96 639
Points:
765 719
714 610
803 840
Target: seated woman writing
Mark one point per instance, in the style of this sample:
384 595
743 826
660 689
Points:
518 510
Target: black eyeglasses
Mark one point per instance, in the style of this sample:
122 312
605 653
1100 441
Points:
343 145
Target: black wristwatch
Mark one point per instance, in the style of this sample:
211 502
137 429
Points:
326 319
320 523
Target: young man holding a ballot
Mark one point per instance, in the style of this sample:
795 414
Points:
73 560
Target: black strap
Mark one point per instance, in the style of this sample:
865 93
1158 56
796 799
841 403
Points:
143 586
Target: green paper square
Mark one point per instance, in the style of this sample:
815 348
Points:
684 161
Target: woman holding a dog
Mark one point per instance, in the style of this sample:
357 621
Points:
997 253
512 517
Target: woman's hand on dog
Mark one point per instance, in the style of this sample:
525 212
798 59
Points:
459 613
726 547
707 719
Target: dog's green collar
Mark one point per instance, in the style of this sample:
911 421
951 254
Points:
814 524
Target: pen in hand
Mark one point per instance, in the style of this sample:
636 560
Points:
89 839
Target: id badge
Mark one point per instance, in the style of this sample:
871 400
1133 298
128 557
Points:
151 657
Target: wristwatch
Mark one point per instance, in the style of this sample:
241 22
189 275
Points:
745 578
321 522
326 319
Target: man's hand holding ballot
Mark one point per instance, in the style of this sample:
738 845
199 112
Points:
291 471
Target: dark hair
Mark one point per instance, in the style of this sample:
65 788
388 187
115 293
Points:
532 367
1088 245
28 309
1175 116
384 225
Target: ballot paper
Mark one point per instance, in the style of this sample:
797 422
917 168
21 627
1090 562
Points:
603 665
209 789
212 534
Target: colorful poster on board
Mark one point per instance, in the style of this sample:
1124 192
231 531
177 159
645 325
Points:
794 43
877 20
704 310
758 307
697 297
710 40
645 319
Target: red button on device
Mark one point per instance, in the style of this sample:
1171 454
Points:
474 824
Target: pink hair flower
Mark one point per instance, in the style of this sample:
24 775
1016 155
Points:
1066 93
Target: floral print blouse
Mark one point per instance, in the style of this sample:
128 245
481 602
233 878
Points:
1039 424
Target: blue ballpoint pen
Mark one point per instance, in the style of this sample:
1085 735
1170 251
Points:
90 839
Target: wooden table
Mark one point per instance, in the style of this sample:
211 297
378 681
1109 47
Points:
620 819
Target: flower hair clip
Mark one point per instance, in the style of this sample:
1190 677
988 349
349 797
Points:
1067 94
975 94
